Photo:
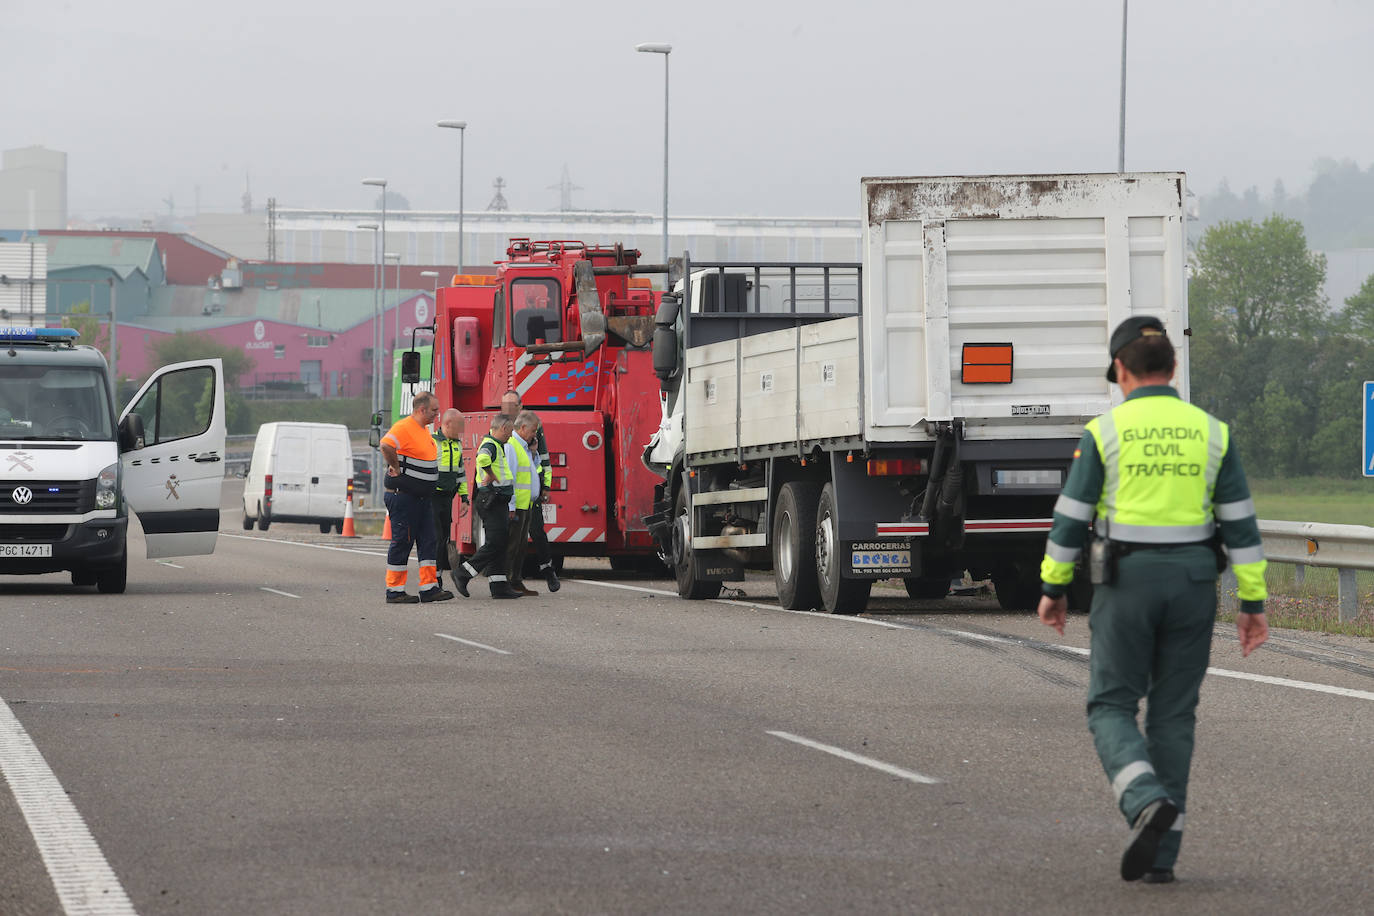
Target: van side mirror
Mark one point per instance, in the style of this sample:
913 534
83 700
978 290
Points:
410 367
131 433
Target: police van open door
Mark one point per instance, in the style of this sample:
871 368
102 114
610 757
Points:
172 445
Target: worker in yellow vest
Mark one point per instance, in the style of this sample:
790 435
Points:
450 487
1157 488
495 485
524 500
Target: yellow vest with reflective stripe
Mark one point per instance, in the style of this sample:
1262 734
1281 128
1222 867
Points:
1161 457
524 474
496 467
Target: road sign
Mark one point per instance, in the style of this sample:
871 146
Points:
1369 429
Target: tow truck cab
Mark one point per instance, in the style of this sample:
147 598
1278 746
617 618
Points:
70 474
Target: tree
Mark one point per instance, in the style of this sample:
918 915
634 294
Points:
1258 281
1357 319
93 331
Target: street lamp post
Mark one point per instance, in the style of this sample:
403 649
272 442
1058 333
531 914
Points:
659 47
1121 135
374 389
395 315
433 275
381 276
462 128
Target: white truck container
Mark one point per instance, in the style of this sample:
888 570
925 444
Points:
299 472
924 428
69 474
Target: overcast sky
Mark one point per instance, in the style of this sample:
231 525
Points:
776 107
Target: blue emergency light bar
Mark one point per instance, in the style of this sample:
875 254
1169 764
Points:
39 335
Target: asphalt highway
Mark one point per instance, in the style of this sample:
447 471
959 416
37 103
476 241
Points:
257 732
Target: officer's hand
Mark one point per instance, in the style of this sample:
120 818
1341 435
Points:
1253 630
463 511
1054 612
511 516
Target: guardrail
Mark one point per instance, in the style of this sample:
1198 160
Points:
1345 548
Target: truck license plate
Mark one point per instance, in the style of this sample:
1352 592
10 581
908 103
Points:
550 513
25 550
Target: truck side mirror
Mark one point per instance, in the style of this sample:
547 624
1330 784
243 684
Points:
131 433
666 339
374 437
410 367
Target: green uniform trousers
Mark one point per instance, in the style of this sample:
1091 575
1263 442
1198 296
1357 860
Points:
1151 638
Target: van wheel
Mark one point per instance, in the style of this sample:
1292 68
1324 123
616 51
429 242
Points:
247 522
794 546
83 577
683 568
338 527
263 519
838 594
324 527
111 581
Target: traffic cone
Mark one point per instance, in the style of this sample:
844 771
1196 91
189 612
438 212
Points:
386 528
348 531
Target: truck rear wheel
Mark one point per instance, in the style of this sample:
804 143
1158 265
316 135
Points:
1017 586
112 580
794 546
838 594
684 569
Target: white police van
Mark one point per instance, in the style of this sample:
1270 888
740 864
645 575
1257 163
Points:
70 474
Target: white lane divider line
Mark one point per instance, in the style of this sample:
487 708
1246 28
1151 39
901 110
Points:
173 565
838 618
278 592
468 642
852 757
85 883
1298 685
276 543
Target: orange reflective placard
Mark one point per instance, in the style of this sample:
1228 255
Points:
985 364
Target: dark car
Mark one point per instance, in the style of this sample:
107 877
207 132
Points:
362 475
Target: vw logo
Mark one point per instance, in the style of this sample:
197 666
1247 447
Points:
22 495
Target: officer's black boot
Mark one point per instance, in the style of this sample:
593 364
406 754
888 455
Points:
501 589
461 577
1150 825
550 576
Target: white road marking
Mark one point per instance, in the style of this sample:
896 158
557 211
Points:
173 565
275 543
858 758
468 642
1219 672
278 592
84 881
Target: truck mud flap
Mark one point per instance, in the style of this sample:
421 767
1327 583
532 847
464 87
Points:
881 559
713 566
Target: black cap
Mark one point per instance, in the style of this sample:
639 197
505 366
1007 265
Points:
1130 330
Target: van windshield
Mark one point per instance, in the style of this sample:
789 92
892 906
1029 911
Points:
54 402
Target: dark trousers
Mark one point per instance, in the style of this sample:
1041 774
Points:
516 544
443 527
538 538
490 558
1151 639
412 524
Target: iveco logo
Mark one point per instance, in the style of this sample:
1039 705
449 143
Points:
22 495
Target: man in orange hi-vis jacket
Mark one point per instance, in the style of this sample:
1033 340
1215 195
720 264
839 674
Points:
412 472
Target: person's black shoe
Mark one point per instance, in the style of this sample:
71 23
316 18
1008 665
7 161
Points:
503 590
551 577
401 598
460 582
1158 876
436 594
1150 824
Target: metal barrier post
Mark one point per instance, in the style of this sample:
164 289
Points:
1348 596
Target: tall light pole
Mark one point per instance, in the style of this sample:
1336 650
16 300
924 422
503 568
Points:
1121 139
462 128
381 276
374 387
433 275
396 315
659 47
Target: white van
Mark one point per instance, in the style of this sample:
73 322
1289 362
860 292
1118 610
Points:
300 472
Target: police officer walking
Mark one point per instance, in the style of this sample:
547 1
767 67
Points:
411 475
1158 485
448 440
495 487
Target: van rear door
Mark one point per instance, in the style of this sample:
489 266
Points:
331 465
173 481
291 472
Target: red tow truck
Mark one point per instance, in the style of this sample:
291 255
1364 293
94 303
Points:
569 327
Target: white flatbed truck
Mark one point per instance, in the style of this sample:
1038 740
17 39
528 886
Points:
914 415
